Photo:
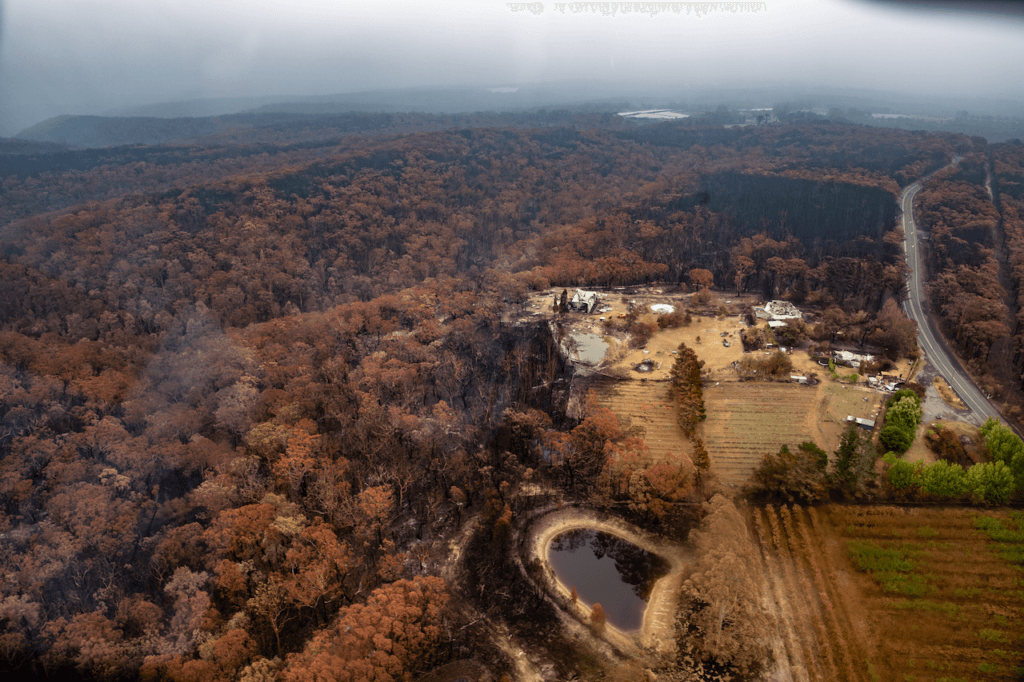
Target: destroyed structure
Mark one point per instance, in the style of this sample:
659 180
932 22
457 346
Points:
777 311
849 359
583 301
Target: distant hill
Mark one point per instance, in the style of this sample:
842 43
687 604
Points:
102 131
319 124
179 121
194 108
451 100
12 146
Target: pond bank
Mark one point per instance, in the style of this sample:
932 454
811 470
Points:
657 634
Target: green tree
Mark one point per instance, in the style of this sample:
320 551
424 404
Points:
852 462
896 438
943 479
1003 445
901 473
991 482
906 412
687 388
899 395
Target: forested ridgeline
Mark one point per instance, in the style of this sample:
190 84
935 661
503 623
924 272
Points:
557 206
1007 163
38 177
43 176
261 127
243 415
965 290
812 150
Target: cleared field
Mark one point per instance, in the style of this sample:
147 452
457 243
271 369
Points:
823 630
646 404
891 593
710 349
748 420
836 402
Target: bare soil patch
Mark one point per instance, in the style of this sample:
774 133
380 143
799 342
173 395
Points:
716 356
920 452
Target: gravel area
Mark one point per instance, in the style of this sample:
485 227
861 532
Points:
937 408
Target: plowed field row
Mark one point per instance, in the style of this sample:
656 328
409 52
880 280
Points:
748 420
646 404
884 593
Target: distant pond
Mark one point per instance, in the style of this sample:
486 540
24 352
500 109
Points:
607 569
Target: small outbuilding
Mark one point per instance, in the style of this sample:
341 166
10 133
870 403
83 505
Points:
859 421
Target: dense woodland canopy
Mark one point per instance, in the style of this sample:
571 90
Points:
965 290
1007 164
249 391
974 250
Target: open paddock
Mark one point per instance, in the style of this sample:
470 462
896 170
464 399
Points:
646 404
838 401
747 420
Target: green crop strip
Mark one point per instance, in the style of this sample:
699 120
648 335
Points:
1011 542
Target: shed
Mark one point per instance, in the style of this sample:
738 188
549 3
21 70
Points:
859 421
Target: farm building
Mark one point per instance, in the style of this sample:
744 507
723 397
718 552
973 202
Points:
866 423
777 311
583 301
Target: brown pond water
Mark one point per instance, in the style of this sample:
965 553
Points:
607 569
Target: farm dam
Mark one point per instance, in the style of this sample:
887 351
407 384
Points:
636 578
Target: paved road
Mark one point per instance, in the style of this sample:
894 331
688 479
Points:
938 355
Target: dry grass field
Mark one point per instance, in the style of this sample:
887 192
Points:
716 356
748 420
834 403
892 593
646 404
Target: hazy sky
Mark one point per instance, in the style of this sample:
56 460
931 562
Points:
88 56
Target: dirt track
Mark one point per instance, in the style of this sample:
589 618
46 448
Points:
657 635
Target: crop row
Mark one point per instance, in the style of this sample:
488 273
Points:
937 586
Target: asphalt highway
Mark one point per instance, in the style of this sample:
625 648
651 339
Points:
938 355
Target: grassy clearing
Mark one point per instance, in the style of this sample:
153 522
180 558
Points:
836 402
